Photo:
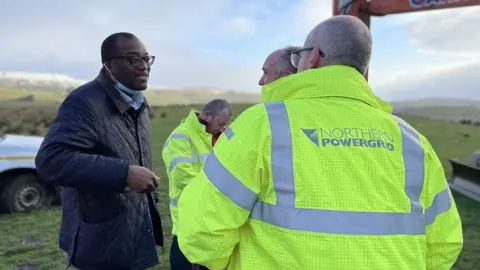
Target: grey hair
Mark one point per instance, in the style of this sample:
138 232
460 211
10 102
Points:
217 105
284 64
345 40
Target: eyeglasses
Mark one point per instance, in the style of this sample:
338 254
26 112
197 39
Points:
136 61
296 55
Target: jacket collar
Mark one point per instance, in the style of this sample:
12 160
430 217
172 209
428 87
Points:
197 124
107 85
332 81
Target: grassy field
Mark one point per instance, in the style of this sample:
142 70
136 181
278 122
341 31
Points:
32 238
155 97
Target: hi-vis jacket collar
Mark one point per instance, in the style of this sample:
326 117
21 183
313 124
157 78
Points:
194 123
332 81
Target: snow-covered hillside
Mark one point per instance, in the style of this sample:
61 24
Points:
39 83
43 81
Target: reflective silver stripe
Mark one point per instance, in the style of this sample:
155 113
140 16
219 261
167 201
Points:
178 160
282 153
228 184
441 203
177 136
284 214
173 202
198 158
194 158
229 133
339 222
202 158
413 158
180 136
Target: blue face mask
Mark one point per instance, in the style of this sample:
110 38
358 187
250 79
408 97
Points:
125 89
120 85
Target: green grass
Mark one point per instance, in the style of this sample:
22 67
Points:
155 97
40 96
449 113
449 140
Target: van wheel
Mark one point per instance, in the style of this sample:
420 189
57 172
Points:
24 192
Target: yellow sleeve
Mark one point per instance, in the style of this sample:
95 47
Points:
444 227
217 203
177 155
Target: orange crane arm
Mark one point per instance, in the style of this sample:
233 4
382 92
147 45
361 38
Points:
379 8
364 9
385 7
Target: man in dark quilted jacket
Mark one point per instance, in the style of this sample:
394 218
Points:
98 150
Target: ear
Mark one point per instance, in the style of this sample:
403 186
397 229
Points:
315 58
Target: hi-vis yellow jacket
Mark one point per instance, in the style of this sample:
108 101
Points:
320 176
184 154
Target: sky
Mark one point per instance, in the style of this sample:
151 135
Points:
223 43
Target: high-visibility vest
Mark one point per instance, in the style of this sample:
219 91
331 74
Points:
184 154
320 176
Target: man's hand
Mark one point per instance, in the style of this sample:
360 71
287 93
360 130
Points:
141 179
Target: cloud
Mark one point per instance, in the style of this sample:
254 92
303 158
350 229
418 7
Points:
308 14
65 38
219 43
445 60
239 27
74 31
312 12
449 31
459 79
223 43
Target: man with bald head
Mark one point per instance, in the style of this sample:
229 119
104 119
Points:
278 65
322 175
341 40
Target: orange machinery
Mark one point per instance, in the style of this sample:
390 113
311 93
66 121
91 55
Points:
364 9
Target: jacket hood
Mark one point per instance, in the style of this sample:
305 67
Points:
194 123
331 81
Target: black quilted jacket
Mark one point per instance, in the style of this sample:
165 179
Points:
87 150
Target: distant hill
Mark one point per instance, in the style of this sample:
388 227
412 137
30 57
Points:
447 109
436 102
37 81
192 96
444 113
52 88
22 87
154 97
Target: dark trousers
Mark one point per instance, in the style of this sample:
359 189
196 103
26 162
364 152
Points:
178 261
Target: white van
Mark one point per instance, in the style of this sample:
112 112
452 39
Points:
20 187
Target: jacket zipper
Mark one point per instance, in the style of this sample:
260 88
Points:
139 146
138 113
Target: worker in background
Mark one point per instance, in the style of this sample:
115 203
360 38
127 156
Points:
185 153
278 65
322 175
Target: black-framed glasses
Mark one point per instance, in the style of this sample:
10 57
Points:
136 61
296 55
